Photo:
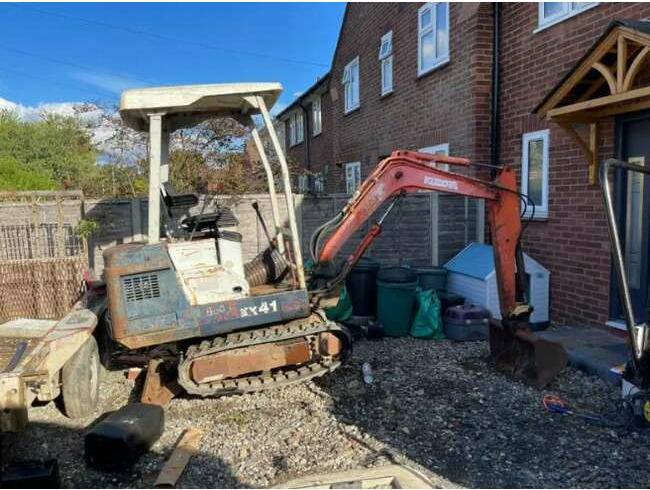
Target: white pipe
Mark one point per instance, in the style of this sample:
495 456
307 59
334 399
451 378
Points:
288 194
271 184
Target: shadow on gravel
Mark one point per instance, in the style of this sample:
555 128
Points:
440 405
44 441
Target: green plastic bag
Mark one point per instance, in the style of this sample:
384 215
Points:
343 309
427 323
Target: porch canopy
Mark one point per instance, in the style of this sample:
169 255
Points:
603 83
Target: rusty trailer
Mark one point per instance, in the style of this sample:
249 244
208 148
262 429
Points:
44 359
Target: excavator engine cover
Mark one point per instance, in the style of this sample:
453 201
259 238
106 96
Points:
524 355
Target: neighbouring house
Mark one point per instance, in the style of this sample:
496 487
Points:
570 90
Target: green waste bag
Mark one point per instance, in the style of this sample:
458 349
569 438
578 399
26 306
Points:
427 323
343 309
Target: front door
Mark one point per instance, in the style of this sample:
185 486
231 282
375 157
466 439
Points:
633 212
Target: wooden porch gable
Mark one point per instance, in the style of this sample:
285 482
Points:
603 83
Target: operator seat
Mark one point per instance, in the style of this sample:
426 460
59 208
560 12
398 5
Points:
183 221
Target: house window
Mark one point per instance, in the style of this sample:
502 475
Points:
352 176
318 186
296 128
437 150
303 184
433 36
316 115
351 85
386 59
534 173
551 13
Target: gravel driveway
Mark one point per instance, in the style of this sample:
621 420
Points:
434 405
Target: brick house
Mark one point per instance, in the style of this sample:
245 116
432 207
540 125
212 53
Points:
420 76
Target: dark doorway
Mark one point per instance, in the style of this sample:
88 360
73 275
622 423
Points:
633 212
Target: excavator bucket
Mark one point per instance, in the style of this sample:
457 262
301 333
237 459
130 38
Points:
526 356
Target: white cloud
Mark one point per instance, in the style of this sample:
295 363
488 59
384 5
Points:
33 113
111 83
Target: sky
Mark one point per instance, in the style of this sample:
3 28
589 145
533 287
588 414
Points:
75 52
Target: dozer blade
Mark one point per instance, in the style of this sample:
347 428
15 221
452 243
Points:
526 356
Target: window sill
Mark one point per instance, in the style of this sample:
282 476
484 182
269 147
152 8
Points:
539 216
317 134
386 94
297 144
562 18
438 65
352 109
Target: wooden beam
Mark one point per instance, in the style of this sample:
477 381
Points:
609 77
593 148
580 72
619 109
634 68
621 62
599 102
582 144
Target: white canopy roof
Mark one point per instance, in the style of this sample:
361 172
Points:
188 105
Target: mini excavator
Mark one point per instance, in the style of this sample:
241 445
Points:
214 325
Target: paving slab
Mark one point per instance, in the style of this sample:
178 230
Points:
591 350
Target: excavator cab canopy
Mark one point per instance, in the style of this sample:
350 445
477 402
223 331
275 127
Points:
188 105
162 110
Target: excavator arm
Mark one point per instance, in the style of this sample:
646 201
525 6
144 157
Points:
512 343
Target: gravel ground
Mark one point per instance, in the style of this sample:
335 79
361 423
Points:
434 405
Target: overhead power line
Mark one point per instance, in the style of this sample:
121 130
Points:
77 65
162 37
55 82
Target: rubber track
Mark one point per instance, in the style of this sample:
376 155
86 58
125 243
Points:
249 384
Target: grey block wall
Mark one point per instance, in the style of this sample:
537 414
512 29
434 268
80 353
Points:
423 228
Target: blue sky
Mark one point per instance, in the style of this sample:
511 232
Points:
61 52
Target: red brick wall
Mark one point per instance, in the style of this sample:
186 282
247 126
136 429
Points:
448 105
573 242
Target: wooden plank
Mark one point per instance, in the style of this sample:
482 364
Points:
183 452
599 102
621 62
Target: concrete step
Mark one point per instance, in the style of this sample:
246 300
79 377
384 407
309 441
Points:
591 350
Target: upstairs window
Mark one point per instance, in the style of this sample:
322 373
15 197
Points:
386 59
303 184
534 173
553 12
433 36
437 150
296 128
352 176
318 186
316 116
351 85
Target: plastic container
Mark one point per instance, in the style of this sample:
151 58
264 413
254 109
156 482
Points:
447 300
119 440
362 287
430 276
468 322
395 299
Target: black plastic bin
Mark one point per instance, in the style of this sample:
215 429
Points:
448 300
430 276
362 287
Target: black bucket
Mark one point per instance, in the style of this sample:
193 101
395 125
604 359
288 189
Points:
362 287
430 276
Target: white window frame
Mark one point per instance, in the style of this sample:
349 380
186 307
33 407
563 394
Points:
317 116
352 176
296 128
351 86
442 149
438 58
568 11
318 184
541 211
386 59
303 184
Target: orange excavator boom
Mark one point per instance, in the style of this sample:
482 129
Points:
513 345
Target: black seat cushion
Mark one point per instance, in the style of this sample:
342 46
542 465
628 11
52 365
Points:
200 222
